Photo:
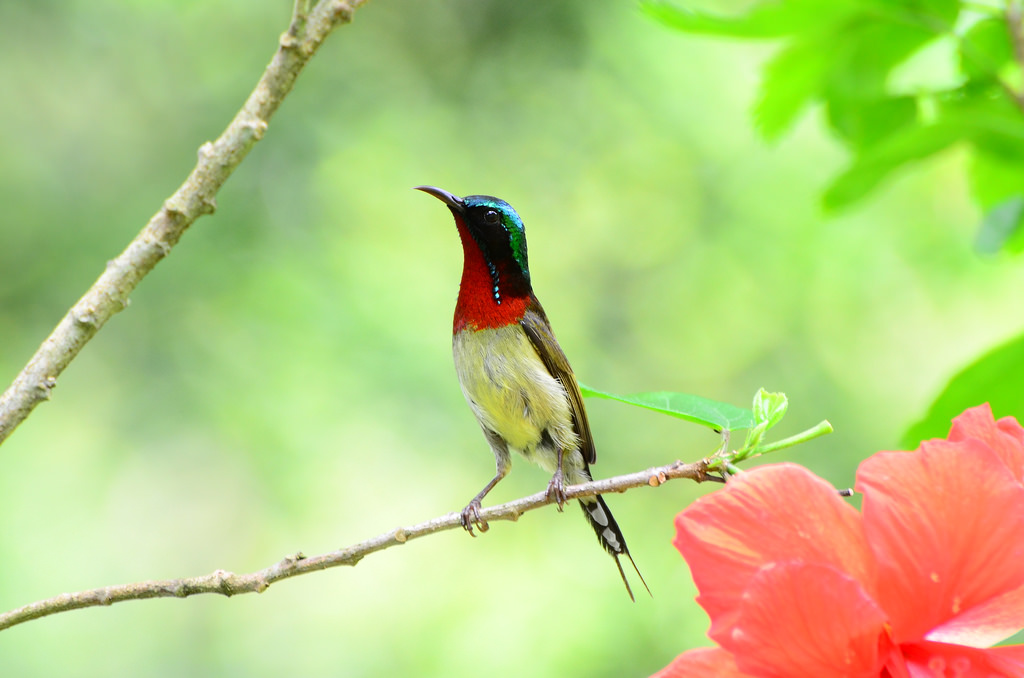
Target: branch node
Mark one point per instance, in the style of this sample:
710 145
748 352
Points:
343 14
288 563
225 582
86 316
153 241
176 588
174 210
45 386
257 127
400 536
205 151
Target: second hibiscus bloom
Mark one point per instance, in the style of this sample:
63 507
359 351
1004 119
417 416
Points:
922 583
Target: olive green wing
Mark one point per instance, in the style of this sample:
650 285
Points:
535 323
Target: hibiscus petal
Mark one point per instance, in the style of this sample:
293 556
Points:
984 624
1010 657
798 619
946 524
778 512
707 662
1005 437
928 660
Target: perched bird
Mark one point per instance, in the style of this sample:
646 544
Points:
513 373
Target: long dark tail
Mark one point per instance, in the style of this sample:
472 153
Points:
610 536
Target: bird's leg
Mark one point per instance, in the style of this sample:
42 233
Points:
471 514
556 486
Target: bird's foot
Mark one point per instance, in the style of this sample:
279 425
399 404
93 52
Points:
556 489
471 517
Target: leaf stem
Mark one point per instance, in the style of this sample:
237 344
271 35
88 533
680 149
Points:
821 428
727 461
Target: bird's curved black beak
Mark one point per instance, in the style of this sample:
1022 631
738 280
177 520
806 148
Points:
453 201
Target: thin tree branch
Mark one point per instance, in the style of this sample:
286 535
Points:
194 198
230 584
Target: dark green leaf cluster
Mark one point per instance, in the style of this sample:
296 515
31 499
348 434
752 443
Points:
857 59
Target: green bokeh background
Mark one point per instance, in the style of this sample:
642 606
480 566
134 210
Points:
283 380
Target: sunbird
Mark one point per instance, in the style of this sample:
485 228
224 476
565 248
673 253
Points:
513 373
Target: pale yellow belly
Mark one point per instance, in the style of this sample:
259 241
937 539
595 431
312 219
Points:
512 393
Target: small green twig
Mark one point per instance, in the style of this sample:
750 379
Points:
300 15
816 431
726 463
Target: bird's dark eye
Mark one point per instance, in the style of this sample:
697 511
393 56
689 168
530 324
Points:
492 218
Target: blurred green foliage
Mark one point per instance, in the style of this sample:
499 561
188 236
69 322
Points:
283 380
899 80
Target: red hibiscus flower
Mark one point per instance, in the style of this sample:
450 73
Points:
920 584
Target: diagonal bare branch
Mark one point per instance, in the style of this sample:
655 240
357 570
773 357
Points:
194 198
229 584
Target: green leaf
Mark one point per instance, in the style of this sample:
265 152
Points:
846 64
995 378
997 133
996 169
1000 225
946 11
867 50
859 106
792 80
765 20
988 121
863 123
931 12
872 166
994 179
985 49
769 408
710 413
